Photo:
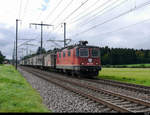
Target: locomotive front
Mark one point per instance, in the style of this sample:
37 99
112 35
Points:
89 60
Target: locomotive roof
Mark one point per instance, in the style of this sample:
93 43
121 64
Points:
77 46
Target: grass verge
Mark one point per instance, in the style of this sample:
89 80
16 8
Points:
139 76
16 94
128 66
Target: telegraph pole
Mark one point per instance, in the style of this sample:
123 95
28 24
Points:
13 55
64 34
16 40
41 31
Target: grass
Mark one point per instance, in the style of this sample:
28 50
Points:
16 94
138 65
139 76
128 66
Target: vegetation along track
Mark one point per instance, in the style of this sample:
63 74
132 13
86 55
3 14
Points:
109 99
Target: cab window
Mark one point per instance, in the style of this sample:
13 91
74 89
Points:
95 52
84 52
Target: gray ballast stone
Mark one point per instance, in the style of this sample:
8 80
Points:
58 99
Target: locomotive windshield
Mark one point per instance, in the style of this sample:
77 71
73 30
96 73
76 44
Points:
84 52
95 53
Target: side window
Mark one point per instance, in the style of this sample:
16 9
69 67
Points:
59 54
77 52
69 53
63 54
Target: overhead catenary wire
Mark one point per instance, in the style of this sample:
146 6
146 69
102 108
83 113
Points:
125 27
53 10
20 6
94 16
25 9
109 20
87 8
75 10
101 5
62 11
92 11
67 17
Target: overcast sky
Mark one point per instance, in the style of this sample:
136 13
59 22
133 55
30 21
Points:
113 23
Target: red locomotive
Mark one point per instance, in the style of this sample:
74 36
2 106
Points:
80 59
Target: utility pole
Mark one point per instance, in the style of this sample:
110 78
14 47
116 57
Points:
13 62
64 34
41 31
16 40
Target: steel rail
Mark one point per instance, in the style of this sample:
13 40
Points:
135 100
101 101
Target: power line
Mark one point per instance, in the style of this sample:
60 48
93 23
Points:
124 13
73 12
20 8
91 11
88 8
122 28
53 10
63 11
95 15
25 8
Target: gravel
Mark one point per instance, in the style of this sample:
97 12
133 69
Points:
139 95
58 99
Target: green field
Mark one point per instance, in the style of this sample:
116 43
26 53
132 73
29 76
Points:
131 75
16 95
129 66
138 65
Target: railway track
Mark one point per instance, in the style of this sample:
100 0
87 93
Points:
109 100
133 87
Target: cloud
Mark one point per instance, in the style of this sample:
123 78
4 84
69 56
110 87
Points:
108 34
7 41
44 5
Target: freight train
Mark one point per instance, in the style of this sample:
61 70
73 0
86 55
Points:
78 60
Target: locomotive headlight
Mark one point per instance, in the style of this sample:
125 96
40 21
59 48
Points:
82 63
96 63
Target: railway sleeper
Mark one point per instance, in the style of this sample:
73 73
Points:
112 111
126 102
143 110
100 106
106 109
89 102
109 99
117 101
138 107
121 103
131 105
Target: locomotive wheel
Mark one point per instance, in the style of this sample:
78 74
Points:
72 73
79 76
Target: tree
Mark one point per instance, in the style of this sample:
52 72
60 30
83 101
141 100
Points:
39 50
118 56
2 58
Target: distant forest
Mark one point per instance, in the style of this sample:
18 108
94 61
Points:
120 56
2 58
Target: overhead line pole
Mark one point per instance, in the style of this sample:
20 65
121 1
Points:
41 31
14 55
64 34
16 40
